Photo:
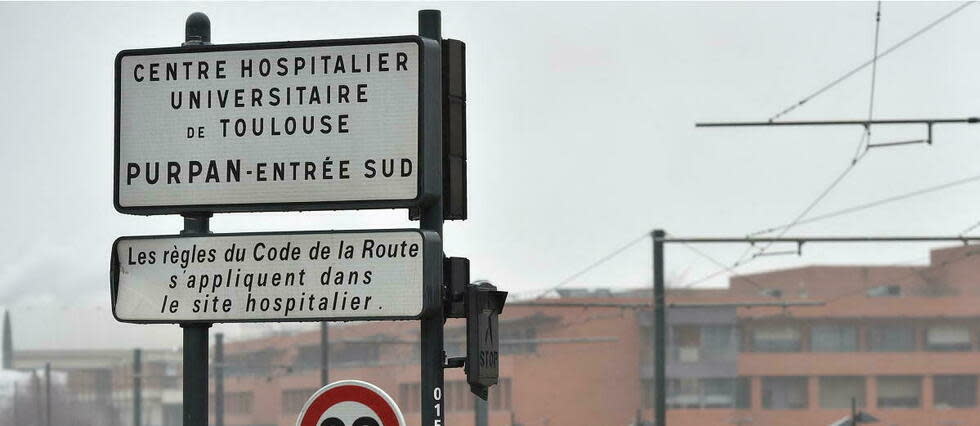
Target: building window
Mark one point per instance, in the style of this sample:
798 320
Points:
354 354
776 338
683 393
238 403
885 291
458 396
708 393
499 398
408 397
726 392
718 342
257 363
687 343
293 400
784 393
891 338
948 338
517 339
692 343
833 338
173 414
455 346
647 393
308 357
954 391
899 391
837 391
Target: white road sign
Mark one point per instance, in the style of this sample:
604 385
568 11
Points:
350 403
301 276
328 124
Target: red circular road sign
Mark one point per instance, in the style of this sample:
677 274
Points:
350 403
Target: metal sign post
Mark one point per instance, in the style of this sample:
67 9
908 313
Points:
137 387
195 341
430 218
659 339
197 31
219 379
47 393
324 354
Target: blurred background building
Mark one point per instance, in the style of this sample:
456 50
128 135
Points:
785 347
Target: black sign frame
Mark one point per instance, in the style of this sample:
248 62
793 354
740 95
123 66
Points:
432 260
430 91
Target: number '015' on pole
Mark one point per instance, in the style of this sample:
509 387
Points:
309 125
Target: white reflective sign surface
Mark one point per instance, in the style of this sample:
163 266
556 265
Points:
264 126
280 277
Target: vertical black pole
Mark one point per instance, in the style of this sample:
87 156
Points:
36 382
7 348
324 354
137 387
197 31
219 379
430 218
480 412
195 374
659 331
47 393
196 345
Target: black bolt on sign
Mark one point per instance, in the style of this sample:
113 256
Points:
484 304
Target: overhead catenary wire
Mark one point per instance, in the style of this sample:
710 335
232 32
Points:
876 203
592 265
915 271
645 306
841 122
871 61
896 143
717 262
874 65
813 204
742 259
865 140
970 228
829 215
688 241
966 239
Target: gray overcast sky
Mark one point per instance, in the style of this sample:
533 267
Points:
581 137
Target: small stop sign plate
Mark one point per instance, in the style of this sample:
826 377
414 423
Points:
350 403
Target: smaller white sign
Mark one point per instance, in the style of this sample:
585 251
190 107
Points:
303 276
